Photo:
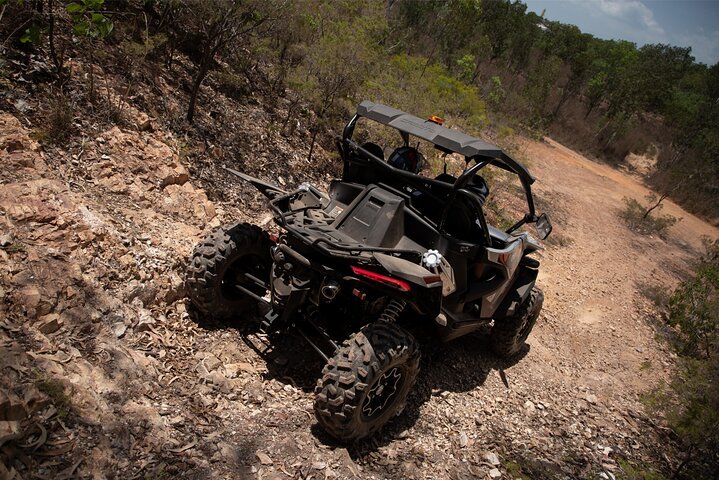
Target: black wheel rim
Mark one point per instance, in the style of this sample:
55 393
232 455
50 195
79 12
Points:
384 393
236 274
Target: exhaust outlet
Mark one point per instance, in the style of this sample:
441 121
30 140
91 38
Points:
330 289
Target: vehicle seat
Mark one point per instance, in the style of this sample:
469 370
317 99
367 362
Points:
463 220
476 185
446 178
374 149
407 158
479 187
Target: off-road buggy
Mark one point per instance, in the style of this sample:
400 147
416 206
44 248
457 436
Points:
385 250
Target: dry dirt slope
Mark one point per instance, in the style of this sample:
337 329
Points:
105 376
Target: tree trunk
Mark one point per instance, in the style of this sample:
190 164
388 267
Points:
315 130
610 140
290 113
656 205
57 61
475 74
430 58
566 94
201 74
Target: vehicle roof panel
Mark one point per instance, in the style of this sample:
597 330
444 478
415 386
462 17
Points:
452 140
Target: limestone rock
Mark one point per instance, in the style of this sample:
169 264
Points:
12 408
50 323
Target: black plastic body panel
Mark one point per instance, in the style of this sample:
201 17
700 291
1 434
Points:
377 219
518 292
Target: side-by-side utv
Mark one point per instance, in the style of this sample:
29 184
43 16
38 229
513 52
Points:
384 250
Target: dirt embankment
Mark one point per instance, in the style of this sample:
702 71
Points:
105 376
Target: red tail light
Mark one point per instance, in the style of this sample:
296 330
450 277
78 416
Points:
383 279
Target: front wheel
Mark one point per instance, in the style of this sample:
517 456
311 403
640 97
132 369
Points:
367 381
509 334
228 257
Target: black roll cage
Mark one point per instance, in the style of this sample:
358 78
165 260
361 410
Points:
484 156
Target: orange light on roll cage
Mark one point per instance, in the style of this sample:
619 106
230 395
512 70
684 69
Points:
383 279
436 119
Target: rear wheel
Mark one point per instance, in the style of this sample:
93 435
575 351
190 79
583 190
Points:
225 258
367 381
508 335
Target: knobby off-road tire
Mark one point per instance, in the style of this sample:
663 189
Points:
508 335
219 262
367 381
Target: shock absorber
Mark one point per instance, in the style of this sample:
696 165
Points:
393 310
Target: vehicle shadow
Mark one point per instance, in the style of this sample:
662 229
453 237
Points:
287 356
458 366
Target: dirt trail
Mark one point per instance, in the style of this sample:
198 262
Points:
594 285
690 230
98 350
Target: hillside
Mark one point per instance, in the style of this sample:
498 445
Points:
99 350
106 373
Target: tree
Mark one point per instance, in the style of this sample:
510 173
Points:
217 24
661 67
523 35
341 57
691 402
498 23
90 24
572 46
539 83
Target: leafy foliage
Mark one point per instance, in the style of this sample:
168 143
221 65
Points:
691 400
437 92
88 19
641 221
544 64
694 308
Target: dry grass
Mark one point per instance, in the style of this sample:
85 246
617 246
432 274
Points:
58 121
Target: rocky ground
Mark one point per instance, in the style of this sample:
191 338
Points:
105 375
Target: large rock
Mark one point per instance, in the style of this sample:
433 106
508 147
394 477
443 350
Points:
12 408
18 151
40 201
50 323
186 201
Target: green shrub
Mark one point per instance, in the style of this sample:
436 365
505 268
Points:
416 85
694 308
638 471
691 406
654 292
638 220
691 401
496 93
